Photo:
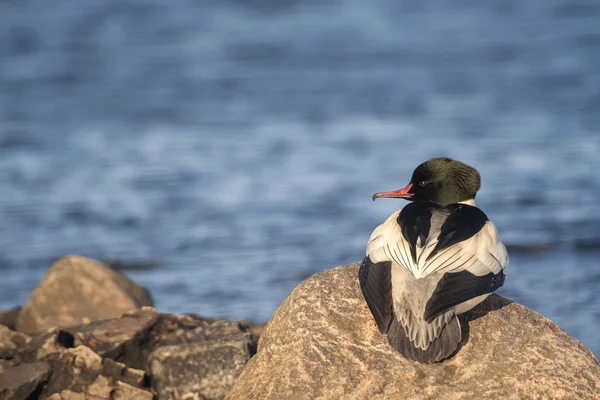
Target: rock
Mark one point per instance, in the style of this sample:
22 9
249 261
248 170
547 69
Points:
190 357
255 329
131 338
121 339
130 376
78 367
45 345
173 329
102 390
202 363
7 364
322 342
11 342
9 318
77 290
23 381
79 373
186 355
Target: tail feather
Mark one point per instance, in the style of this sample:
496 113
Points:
441 348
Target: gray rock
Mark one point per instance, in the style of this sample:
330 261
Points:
23 381
45 345
322 342
202 363
102 389
186 355
76 368
130 376
81 290
122 339
7 364
173 329
79 373
131 338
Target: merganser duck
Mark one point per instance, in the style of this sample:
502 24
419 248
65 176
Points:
436 258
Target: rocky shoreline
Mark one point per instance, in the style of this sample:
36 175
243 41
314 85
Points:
88 332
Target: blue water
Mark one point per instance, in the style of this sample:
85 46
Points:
224 150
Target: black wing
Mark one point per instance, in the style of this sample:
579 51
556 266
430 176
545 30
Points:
457 287
462 223
376 285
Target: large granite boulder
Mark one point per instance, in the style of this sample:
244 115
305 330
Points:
77 290
322 342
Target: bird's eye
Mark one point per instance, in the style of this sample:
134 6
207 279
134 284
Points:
422 183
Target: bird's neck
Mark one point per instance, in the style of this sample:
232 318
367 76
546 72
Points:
470 202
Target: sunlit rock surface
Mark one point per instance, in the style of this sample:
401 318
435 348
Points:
322 342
